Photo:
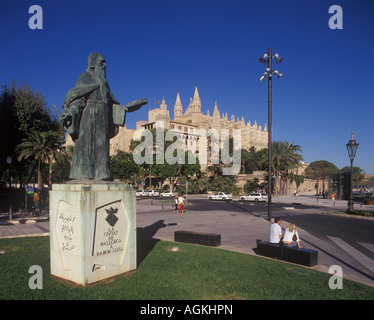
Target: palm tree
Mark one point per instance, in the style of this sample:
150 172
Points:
285 157
42 147
249 159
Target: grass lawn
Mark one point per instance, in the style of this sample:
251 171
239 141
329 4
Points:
364 213
192 273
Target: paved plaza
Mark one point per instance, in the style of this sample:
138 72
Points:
238 229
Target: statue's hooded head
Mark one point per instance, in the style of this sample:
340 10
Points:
97 64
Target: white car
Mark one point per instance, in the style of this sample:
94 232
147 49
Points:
220 196
141 193
153 193
168 194
255 196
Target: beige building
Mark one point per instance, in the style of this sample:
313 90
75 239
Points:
121 141
192 119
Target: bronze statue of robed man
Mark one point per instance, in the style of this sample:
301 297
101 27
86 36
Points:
92 116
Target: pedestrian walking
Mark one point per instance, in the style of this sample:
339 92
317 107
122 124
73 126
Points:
36 204
181 201
333 198
175 203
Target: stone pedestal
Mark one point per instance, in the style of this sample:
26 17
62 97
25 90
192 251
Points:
92 231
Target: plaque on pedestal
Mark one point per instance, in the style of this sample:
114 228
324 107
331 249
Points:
92 231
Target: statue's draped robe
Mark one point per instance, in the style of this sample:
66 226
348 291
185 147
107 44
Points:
90 105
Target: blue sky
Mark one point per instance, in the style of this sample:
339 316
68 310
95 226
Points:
156 48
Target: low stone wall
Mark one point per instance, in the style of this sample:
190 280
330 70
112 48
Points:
241 179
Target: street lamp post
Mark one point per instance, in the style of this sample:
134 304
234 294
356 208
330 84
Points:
9 162
352 146
317 186
267 60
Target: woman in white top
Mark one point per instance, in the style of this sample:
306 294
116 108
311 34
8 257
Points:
291 236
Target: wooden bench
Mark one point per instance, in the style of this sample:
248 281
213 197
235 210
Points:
302 256
206 239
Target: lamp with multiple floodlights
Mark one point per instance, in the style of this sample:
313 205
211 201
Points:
267 60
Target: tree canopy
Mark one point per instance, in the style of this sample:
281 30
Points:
23 112
320 169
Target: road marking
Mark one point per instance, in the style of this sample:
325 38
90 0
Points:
367 246
354 252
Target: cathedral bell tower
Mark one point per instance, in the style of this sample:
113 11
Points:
196 102
178 108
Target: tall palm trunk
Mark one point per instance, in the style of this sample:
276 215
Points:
40 176
50 174
277 179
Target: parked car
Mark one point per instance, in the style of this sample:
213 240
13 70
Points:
153 193
141 193
255 196
220 196
168 194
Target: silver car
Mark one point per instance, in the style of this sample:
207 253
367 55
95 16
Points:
255 196
168 194
153 193
220 196
141 193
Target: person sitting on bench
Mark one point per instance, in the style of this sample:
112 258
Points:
291 237
275 231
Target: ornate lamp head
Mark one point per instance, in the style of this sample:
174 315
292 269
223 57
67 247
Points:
352 146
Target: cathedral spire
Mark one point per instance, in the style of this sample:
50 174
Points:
178 108
196 102
216 113
178 101
163 104
196 95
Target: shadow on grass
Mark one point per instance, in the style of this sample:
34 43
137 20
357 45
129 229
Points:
145 240
143 246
